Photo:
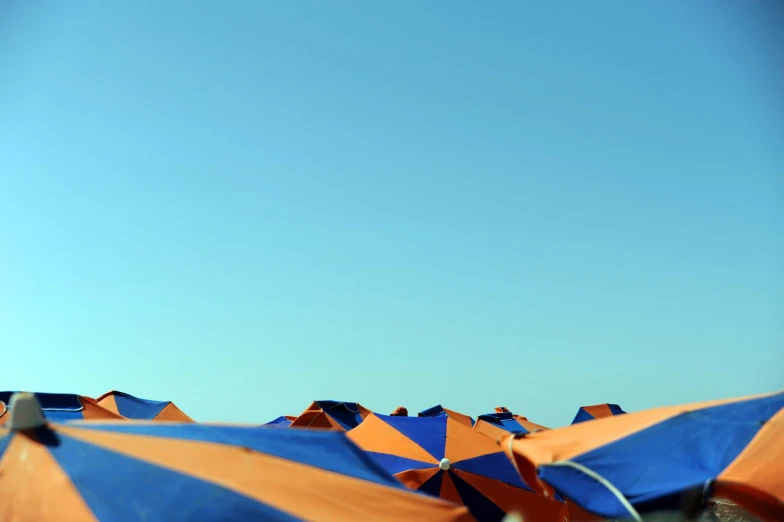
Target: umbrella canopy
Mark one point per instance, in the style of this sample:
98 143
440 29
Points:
61 407
502 422
443 457
283 421
177 472
651 460
331 415
440 411
142 409
597 411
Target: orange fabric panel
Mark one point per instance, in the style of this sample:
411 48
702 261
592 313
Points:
107 401
448 489
35 488
376 435
316 420
760 466
598 411
414 478
530 426
501 409
277 482
92 410
463 443
172 413
459 417
490 429
511 499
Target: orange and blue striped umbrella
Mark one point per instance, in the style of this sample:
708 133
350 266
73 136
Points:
142 409
596 411
503 422
440 411
331 415
651 460
443 457
177 472
61 407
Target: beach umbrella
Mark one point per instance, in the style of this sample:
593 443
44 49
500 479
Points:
61 407
596 411
503 422
331 415
177 472
625 465
440 411
283 421
142 409
400 411
443 457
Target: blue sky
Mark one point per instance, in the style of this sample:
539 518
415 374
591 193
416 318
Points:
245 207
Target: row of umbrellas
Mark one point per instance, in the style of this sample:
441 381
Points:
607 464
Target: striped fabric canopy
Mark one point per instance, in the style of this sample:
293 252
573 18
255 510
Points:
177 472
331 415
142 409
625 465
61 407
596 411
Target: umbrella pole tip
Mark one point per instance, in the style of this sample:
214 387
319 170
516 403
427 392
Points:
26 413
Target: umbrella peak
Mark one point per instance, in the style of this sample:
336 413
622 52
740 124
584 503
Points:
26 412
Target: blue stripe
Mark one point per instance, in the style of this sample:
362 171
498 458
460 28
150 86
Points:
331 451
432 486
51 401
394 464
280 422
136 408
495 466
123 489
483 509
344 413
677 455
582 416
5 439
428 432
615 409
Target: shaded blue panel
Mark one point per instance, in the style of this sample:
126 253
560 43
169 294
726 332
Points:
63 416
651 467
394 464
582 416
123 489
345 413
433 485
483 509
4 441
136 408
495 466
615 409
51 401
434 411
428 432
331 451
280 422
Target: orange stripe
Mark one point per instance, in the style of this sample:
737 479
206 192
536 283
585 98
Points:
516 500
273 481
414 478
490 429
463 443
448 490
170 412
316 420
107 401
35 488
92 410
459 417
758 471
598 411
376 435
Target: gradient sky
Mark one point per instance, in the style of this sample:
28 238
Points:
243 207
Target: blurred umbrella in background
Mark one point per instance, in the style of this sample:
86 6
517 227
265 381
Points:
61 407
443 457
178 472
503 422
141 409
331 415
653 460
597 411
440 411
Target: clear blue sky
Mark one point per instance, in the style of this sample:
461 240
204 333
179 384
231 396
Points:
392 203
